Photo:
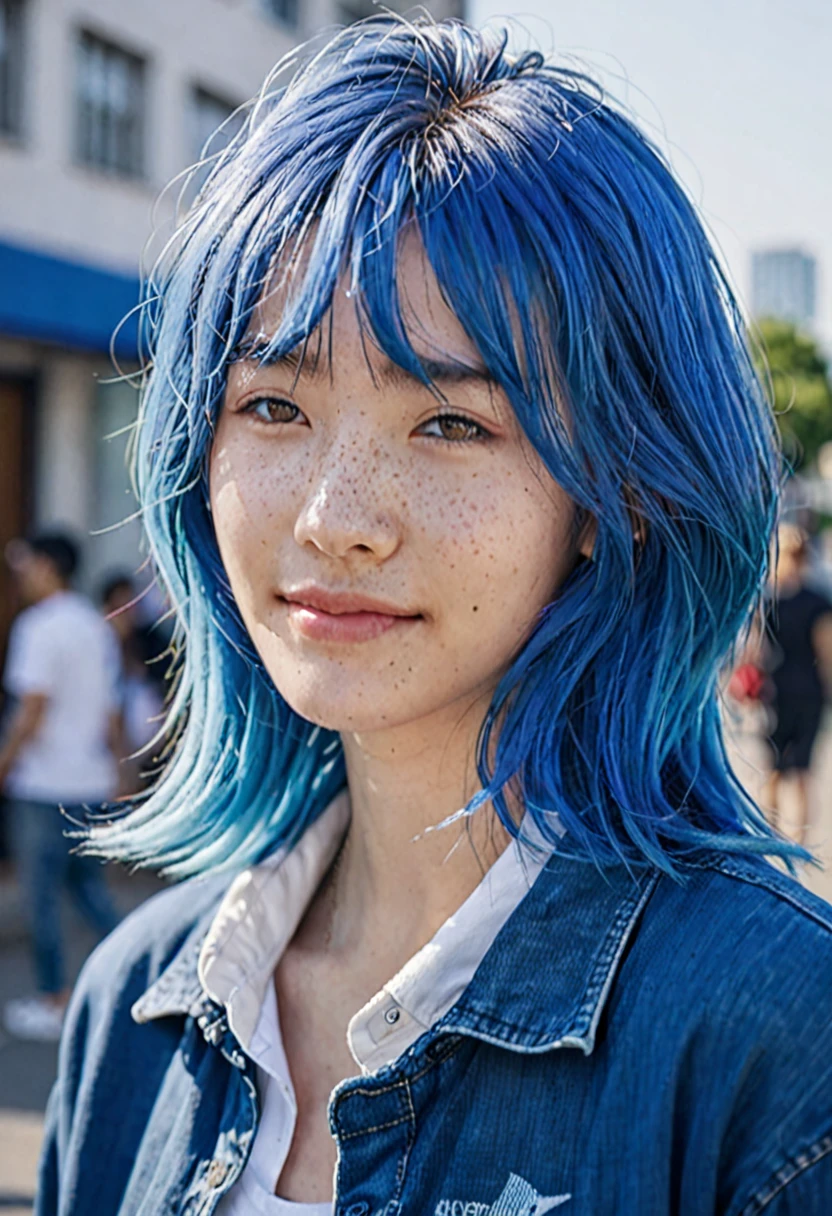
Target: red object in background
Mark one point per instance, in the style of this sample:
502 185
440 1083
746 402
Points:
746 684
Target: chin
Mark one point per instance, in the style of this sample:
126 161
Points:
348 692
350 701
344 713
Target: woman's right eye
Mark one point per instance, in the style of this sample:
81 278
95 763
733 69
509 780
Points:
272 409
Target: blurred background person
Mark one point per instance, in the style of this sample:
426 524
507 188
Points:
58 754
142 684
797 656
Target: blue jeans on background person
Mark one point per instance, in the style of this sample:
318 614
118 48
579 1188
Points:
46 865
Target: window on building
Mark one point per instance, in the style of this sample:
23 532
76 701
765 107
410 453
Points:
356 10
207 113
285 11
110 103
11 65
348 11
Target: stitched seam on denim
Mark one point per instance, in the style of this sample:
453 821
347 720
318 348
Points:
371 1091
624 915
498 1023
724 866
408 1117
401 1169
411 1110
791 1169
619 945
628 910
377 1127
455 1042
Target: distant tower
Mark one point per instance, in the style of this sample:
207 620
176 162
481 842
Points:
783 285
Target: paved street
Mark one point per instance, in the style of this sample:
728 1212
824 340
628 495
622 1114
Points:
27 1069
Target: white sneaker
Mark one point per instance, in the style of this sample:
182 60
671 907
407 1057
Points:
34 1017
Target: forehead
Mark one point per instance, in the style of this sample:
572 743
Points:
433 329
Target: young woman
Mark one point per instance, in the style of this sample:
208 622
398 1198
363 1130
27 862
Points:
452 458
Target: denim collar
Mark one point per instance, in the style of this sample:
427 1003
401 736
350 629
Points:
543 983
546 979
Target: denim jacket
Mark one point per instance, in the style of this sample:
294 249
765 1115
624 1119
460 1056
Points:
629 1046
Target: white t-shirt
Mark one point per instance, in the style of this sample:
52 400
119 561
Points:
62 647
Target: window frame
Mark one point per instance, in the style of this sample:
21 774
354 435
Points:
98 145
347 14
12 81
291 22
198 92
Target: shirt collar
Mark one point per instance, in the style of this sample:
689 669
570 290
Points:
204 969
259 915
542 983
545 981
432 981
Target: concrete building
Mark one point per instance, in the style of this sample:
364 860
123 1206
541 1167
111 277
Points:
784 285
102 102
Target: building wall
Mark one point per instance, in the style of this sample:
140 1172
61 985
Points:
48 201
226 46
72 237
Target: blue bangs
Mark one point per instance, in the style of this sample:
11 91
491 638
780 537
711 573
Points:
581 272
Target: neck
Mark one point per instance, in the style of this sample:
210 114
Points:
48 592
392 871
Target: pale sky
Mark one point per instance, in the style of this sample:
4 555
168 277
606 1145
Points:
738 93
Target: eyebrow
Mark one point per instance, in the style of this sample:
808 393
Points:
438 371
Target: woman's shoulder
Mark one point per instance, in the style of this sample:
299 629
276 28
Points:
740 974
753 896
744 905
745 944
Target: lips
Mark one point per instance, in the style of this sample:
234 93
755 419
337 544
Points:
328 616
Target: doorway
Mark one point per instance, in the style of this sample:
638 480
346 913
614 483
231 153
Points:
16 483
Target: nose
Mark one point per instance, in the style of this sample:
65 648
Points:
345 511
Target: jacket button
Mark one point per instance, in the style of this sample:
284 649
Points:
217 1173
357 1209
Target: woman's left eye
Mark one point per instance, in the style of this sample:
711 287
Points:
272 409
453 428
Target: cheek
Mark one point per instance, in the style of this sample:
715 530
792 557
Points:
247 495
503 543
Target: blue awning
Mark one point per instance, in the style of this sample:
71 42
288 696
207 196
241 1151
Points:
69 303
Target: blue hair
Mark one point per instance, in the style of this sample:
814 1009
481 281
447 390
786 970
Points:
581 272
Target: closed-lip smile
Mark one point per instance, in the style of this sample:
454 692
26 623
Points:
342 616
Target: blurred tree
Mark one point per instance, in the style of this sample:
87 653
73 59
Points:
799 377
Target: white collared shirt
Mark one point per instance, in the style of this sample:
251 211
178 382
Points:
253 926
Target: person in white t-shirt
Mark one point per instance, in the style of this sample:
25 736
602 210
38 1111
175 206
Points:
59 753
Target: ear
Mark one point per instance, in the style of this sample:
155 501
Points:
589 531
638 524
586 536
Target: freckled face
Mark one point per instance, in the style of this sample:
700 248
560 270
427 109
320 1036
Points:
389 552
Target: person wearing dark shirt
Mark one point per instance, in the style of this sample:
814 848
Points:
799 634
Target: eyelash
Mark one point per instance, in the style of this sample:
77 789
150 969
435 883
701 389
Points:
480 435
251 408
476 432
